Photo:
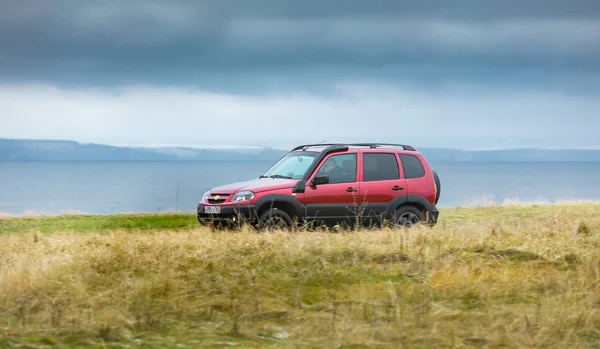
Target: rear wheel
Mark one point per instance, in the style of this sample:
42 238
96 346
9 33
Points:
407 216
274 219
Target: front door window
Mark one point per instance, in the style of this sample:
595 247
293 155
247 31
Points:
339 168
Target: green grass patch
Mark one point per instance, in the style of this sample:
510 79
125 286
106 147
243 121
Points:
98 223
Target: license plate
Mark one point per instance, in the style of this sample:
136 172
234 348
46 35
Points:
212 209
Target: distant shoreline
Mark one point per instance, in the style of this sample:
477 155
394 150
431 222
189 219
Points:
19 150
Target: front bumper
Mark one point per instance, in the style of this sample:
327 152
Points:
230 214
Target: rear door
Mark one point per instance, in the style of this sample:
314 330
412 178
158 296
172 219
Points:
337 201
381 182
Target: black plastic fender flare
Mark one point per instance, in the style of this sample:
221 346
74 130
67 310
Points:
271 198
438 186
404 199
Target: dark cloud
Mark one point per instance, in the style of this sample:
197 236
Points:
221 43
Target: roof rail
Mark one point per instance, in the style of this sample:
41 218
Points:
370 145
304 146
376 145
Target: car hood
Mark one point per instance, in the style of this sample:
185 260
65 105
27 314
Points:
255 185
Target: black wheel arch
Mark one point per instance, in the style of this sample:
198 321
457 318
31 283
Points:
438 186
408 199
283 202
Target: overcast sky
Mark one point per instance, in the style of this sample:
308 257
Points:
467 74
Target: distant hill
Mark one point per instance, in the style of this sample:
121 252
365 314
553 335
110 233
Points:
48 150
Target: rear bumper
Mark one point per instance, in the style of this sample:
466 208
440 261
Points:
230 214
432 215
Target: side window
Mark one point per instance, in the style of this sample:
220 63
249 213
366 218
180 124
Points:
340 168
413 168
380 167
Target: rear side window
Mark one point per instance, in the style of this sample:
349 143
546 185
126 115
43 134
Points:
413 168
380 167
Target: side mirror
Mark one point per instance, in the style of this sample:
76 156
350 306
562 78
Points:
318 180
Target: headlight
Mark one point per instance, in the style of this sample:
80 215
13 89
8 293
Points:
205 196
243 196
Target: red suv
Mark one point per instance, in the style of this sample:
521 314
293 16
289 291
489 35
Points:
332 184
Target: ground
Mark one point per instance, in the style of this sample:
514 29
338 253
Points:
517 276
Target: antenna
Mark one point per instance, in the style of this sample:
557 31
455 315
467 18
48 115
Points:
321 142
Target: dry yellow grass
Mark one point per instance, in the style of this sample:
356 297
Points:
499 277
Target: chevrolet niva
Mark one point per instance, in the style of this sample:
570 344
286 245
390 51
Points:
372 184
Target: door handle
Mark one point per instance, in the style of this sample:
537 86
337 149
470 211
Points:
350 189
397 188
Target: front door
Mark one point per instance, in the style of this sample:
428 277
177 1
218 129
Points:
335 202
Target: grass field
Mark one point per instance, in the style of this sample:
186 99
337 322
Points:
492 277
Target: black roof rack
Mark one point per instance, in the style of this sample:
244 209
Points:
370 145
304 146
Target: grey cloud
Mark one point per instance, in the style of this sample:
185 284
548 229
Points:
465 9
225 42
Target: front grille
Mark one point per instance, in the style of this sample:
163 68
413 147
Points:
217 198
220 201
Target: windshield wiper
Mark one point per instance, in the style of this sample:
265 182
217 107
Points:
281 176
276 176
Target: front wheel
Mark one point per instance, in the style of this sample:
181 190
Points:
274 219
407 217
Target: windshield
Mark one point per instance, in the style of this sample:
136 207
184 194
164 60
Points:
292 166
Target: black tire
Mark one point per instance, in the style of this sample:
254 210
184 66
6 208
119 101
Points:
274 219
407 216
438 185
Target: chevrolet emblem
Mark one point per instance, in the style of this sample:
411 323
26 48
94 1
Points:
216 197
